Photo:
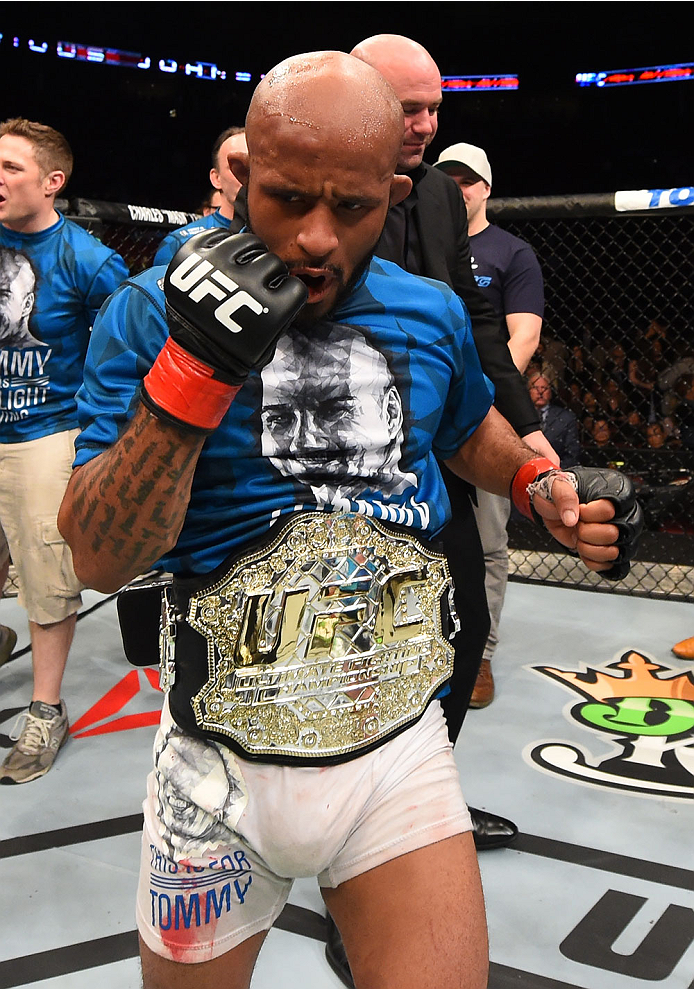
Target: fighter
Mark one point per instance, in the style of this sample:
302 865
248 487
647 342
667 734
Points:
308 644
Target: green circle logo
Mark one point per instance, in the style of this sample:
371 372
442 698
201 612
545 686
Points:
641 715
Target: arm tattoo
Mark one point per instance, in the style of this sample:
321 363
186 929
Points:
129 503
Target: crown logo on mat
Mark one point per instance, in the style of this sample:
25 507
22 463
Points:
639 680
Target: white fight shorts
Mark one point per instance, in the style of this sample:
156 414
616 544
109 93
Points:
224 837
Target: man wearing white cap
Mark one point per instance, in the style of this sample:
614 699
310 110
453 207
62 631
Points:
508 273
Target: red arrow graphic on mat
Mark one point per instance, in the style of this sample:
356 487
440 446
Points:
114 701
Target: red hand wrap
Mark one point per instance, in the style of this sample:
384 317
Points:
183 387
524 476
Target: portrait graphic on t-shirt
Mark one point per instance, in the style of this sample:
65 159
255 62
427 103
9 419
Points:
332 416
17 296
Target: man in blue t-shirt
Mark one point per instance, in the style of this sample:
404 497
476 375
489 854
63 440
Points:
224 181
54 276
266 422
508 273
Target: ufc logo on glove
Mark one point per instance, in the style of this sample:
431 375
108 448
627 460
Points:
208 355
191 277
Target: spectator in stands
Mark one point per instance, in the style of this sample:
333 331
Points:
684 411
615 405
656 436
646 360
573 395
72 273
662 434
599 356
616 368
555 354
225 182
590 411
632 430
577 370
671 428
509 275
559 425
682 363
602 451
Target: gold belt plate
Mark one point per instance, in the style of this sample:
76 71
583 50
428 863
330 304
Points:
325 641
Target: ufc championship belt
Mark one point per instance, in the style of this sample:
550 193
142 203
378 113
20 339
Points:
323 643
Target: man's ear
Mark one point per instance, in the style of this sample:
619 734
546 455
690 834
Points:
239 166
54 182
400 189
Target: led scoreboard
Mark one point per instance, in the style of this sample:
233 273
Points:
636 77
76 52
478 84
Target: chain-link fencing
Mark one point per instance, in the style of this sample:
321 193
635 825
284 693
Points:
617 348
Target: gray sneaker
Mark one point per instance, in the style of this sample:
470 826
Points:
8 640
40 733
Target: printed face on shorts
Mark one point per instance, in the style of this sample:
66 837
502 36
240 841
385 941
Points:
200 794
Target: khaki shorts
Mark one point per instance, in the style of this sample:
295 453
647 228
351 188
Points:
4 550
224 837
33 479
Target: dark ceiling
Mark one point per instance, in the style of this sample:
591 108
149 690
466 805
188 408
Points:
144 137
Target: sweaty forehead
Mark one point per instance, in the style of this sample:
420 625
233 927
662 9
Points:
326 152
325 102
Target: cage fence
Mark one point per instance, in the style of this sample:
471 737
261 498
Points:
617 347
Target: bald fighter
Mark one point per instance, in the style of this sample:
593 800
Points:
304 643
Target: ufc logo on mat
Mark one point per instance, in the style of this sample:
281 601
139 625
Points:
191 277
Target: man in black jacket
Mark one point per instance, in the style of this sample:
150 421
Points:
427 235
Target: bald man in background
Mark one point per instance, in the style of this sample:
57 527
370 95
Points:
427 234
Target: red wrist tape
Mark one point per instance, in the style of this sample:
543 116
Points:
525 475
184 388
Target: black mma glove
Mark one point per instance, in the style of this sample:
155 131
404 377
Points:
591 484
601 482
228 299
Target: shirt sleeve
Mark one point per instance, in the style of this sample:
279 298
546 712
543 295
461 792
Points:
128 333
523 287
471 393
512 398
110 275
166 250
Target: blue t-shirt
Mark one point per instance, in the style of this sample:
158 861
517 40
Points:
171 243
350 414
507 271
52 284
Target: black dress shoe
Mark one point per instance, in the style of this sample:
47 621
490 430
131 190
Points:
335 953
490 831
